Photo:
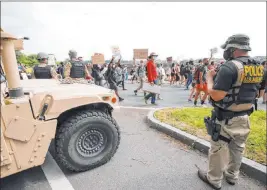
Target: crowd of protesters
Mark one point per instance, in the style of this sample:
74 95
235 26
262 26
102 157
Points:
190 74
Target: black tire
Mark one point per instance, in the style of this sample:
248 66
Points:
86 140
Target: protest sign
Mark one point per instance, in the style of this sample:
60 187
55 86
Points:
98 58
115 50
140 53
169 59
116 53
214 50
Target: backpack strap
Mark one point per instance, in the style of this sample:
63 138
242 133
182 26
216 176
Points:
196 73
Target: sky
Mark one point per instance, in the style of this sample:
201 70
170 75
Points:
182 30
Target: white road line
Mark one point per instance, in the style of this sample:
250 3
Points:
139 108
54 175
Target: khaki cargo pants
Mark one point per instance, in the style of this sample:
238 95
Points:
227 158
141 83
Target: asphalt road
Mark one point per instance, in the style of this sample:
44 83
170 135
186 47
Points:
172 96
146 159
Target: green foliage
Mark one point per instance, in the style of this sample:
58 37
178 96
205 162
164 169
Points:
28 60
191 120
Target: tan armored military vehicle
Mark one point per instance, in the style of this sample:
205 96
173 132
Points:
33 112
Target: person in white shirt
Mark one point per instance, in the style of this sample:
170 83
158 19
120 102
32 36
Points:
160 72
141 74
163 73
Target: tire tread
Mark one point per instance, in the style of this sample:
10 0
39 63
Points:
65 130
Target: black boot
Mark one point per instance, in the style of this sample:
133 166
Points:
120 99
135 92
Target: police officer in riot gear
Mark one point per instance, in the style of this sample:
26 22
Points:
233 90
42 70
75 68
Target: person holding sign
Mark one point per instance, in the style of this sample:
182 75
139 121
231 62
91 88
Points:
120 76
151 76
111 78
97 75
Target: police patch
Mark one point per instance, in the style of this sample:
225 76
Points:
253 74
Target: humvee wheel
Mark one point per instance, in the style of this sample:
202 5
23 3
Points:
86 140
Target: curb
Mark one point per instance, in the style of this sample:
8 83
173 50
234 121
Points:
249 167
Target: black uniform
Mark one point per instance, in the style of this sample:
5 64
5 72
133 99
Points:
111 77
77 69
42 72
239 92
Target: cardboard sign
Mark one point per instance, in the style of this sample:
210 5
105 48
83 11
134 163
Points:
98 58
115 50
149 88
116 53
140 53
169 59
51 59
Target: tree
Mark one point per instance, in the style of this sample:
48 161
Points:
28 60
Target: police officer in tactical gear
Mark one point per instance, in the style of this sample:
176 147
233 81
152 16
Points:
75 69
233 90
42 70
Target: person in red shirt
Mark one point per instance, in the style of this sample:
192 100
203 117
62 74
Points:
151 76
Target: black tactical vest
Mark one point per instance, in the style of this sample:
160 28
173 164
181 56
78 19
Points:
245 89
77 69
42 72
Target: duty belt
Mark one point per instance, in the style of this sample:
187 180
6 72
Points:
227 115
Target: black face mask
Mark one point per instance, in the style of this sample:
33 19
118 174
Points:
228 54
